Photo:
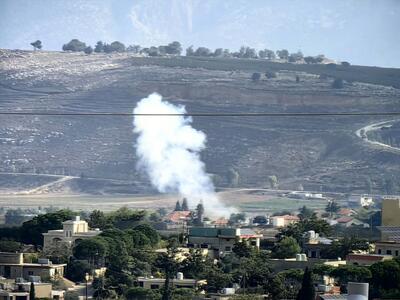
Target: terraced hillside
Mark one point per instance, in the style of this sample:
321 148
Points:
321 153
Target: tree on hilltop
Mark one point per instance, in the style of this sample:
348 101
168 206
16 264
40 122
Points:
74 45
37 45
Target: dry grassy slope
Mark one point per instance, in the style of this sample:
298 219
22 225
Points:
313 151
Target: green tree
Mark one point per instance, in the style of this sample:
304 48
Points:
99 47
32 230
32 295
9 246
178 206
74 45
190 51
217 280
241 249
185 206
71 295
94 250
286 248
168 264
338 83
139 293
273 181
332 207
256 77
88 50
347 273
174 48
305 213
149 232
307 291
76 270
36 45
385 276
97 219
282 54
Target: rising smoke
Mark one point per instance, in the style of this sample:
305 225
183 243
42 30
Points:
168 150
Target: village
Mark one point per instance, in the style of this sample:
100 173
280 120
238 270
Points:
61 255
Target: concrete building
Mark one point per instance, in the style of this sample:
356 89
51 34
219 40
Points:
15 290
220 241
390 227
388 248
73 231
178 282
282 221
360 200
12 266
359 259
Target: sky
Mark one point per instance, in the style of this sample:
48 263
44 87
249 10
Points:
363 32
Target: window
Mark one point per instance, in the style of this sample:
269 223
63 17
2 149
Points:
227 248
389 252
397 252
141 283
154 286
379 251
30 273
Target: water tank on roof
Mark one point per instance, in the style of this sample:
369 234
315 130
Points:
303 257
44 261
179 276
298 257
228 291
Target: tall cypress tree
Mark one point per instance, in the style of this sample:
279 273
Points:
178 206
32 295
185 206
307 291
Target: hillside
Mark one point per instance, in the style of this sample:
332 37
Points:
321 153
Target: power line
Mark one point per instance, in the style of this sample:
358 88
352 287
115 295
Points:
249 114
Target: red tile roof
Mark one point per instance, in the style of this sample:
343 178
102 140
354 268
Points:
177 216
344 219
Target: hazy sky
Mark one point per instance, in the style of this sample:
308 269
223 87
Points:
360 31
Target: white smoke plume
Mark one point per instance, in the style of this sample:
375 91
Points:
168 149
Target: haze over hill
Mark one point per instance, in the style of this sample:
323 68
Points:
320 153
363 33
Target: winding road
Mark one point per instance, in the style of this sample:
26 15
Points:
363 134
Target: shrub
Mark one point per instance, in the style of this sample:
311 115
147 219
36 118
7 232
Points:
345 64
338 83
74 45
256 76
89 50
270 74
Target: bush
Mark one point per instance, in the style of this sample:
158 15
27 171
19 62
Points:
338 83
89 50
345 64
71 296
74 45
114 47
270 74
256 76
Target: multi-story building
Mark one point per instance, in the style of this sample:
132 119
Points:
221 240
12 266
73 231
390 227
388 248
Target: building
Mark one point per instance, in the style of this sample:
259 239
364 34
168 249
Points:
388 248
178 282
359 259
220 241
390 227
12 266
73 231
350 221
282 221
360 200
15 290
313 245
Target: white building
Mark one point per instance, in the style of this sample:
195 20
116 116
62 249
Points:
360 200
73 231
